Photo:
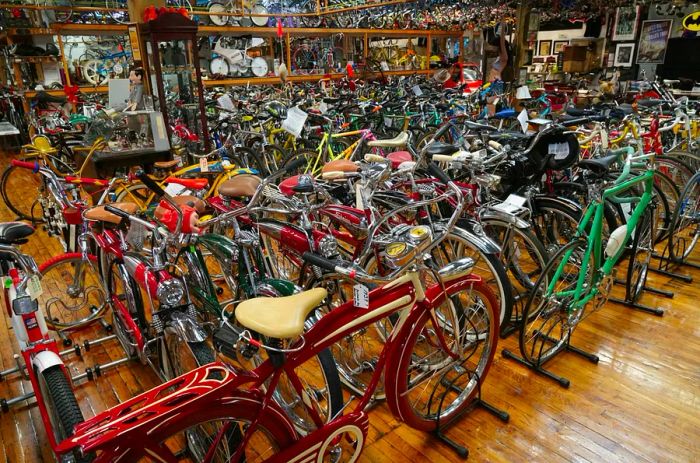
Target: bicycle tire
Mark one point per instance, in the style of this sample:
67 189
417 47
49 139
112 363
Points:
309 156
245 158
523 276
480 327
667 200
65 267
554 221
218 7
640 256
533 312
132 295
685 231
61 405
18 205
63 15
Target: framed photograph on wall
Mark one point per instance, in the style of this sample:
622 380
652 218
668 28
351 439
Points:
559 45
652 41
626 21
544 48
624 54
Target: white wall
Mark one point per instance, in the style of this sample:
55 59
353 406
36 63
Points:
560 35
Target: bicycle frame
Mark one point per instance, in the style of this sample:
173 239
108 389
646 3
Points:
593 217
128 427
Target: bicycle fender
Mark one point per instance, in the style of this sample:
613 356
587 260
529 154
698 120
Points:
46 359
223 248
491 213
471 231
569 204
186 327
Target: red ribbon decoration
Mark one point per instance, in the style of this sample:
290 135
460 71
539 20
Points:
280 33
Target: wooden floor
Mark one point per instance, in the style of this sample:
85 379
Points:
641 403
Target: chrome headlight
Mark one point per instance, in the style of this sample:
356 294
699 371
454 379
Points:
170 292
328 246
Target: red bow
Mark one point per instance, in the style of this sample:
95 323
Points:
71 92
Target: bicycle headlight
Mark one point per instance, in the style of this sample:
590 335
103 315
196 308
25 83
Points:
328 246
170 292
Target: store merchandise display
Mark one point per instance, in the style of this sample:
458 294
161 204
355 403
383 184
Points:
296 205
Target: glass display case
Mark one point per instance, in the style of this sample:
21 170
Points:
171 62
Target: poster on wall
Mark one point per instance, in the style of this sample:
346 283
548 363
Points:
623 55
626 20
652 41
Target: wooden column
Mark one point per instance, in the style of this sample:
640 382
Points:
523 18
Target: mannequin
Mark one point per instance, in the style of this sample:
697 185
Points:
136 90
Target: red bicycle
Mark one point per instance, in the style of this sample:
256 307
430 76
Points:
433 363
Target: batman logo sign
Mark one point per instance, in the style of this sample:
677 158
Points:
692 22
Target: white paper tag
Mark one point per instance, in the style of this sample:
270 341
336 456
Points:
417 91
323 107
34 287
384 65
225 102
360 296
604 139
388 121
559 150
523 118
294 123
174 189
511 205
203 165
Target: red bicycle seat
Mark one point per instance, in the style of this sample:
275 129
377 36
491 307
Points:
399 157
191 183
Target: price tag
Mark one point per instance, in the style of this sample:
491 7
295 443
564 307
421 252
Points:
559 150
388 121
323 107
294 123
174 189
360 296
34 287
523 118
604 139
384 65
417 91
203 165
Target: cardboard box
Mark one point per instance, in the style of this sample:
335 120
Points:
575 53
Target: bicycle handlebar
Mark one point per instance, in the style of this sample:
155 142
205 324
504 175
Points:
33 166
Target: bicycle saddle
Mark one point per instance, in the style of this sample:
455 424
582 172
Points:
398 141
192 201
15 232
439 147
340 165
399 157
165 164
298 184
479 127
279 317
243 185
598 166
650 103
99 214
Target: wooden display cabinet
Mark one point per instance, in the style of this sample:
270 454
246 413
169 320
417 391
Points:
168 47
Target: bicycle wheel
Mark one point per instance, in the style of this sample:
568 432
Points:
429 385
547 321
19 189
245 158
523 257
64 11
221 426
667 193
121 17
136 193
554 222
61 406
72 295
640 256
308 159
685 231
124 290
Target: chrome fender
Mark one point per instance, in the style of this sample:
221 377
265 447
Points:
471 231
186 327
495 214
46 359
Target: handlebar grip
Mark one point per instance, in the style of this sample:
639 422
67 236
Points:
115 211
319 261
442 158
150 183
33 166
493 144
333 175
369 157
438 173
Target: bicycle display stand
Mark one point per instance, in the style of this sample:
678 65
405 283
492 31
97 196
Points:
439 433
633 304
537 368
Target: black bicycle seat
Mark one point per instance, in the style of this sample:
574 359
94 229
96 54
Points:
650 102
598 166
15 232
439 147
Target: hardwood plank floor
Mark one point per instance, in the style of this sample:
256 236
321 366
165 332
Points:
641 403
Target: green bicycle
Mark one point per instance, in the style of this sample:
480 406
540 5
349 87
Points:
578 278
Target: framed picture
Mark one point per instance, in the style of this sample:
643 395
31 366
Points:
623 55
545 48
652 41
626 20
559 45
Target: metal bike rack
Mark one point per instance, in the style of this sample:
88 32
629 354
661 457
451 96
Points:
478 401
